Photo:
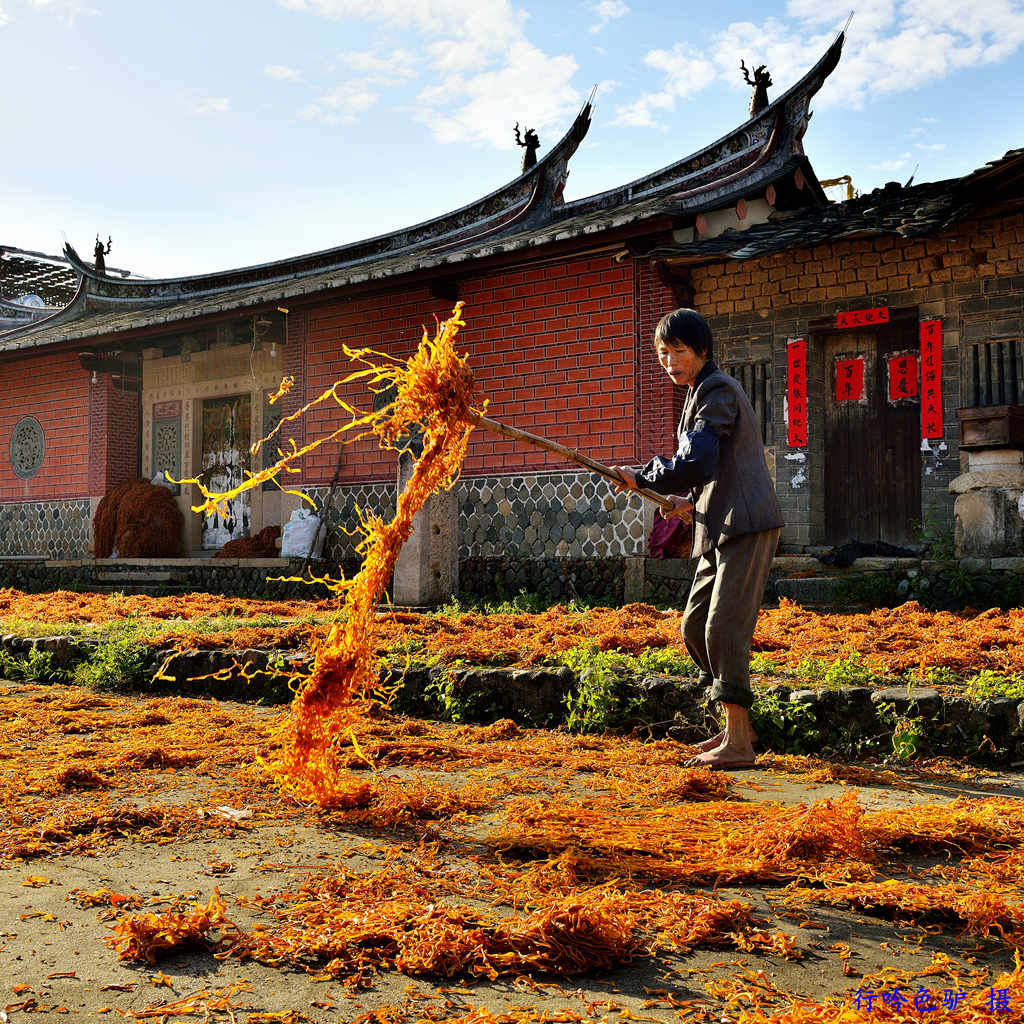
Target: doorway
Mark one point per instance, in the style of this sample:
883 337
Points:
227 434
872 435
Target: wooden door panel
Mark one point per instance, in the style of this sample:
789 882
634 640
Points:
872 445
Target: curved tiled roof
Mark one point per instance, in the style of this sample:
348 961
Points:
916 211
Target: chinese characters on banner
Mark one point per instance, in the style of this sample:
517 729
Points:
902 377
931 378
796 392
849 380
863 317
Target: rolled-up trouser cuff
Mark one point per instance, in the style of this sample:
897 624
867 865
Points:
706 679
730 693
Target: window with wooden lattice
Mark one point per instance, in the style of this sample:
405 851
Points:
756 379
994 374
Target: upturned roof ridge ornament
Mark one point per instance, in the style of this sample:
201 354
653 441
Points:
531 144
761 81
99 252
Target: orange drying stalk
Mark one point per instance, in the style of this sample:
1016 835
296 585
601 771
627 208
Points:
263 545
150 937
436 397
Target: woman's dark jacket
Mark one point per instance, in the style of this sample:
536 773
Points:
720 462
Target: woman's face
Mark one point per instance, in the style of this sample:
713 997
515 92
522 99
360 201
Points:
680 362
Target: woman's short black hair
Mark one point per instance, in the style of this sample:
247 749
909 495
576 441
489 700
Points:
685 327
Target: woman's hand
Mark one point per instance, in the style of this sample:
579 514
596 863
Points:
628 477
682 508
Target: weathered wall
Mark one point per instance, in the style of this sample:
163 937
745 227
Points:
972 279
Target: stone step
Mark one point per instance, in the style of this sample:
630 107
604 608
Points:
808 591
138 576
150 589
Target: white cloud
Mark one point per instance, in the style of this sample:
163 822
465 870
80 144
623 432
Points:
477 107
869 16
342 104
892 165
686 72
69 11
432 17
212 105
283 73
606 11
481 60
892 46
396 67
934 147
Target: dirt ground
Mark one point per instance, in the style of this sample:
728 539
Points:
56 964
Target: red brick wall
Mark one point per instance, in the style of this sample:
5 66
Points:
553 349
113 435
55 390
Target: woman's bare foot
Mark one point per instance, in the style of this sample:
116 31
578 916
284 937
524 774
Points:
735 747
716 741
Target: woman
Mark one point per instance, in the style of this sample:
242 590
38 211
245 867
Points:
736 524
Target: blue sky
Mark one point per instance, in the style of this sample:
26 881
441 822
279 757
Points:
203 136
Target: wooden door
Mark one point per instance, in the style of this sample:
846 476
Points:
872 440
227 430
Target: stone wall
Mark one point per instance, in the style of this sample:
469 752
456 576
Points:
533 517
46 529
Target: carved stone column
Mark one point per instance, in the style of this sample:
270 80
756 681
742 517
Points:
427 569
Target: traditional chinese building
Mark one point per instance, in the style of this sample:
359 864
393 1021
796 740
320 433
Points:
857 328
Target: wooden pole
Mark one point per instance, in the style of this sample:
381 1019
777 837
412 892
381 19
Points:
568 453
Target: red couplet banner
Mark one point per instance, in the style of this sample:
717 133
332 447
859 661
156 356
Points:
931 378
849 380
796 392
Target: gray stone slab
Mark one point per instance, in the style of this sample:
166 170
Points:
811 590
975 564
919 700
872 564
795 563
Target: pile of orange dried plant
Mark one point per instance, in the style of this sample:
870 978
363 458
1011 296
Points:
152 937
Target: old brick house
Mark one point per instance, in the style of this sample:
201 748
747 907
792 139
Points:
561 299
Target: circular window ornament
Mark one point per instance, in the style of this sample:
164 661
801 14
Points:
27 447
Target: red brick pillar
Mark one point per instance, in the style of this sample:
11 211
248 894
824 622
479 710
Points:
293 364
114 429
661 402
